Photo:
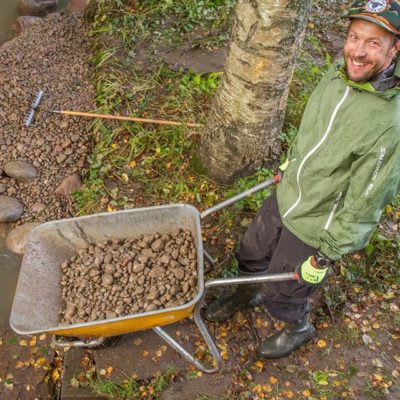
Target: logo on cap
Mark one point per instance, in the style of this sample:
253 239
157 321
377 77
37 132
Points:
376 6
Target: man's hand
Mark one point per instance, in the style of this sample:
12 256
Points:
310 273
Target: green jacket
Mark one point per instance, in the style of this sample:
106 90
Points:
344 165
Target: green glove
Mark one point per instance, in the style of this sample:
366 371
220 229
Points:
310 273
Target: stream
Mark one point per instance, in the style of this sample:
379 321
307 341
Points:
9 13
10 264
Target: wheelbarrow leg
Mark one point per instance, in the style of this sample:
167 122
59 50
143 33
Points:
184 353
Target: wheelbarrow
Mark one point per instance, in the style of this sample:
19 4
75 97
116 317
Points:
37 299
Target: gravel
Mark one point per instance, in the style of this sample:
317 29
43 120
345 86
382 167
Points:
123 277
52 56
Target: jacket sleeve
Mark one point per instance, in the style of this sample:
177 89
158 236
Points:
374 182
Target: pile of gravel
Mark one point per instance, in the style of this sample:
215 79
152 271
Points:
51 56
123 277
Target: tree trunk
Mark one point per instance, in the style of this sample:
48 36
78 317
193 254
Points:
247 115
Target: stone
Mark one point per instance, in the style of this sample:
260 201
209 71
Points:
10 209
36 8
11 191
76 6
37 208
21 170
70 184
3 188
61 158
16 239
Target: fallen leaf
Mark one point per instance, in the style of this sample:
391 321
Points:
109 370
23 342
354 308
267 388
74 383
396 373
288 394
257 389
259 364
42 337
306 393
19 365
291 368
376 325
137 341
321 343
32 342
55 375
393 308
377 363
103 372
125 177
367 339
273 380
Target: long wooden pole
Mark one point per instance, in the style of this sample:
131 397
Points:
123 118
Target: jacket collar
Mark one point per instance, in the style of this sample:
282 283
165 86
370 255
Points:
368 86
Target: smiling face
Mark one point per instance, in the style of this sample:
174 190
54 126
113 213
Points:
369 50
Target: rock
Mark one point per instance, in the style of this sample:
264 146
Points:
10 209
21 170
68 185
11 191
3 188
16 239
37 208
37 8
61 158
76 6
23 22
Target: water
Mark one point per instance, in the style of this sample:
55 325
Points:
10 264
9 13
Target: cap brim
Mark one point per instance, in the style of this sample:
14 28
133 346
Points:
374 21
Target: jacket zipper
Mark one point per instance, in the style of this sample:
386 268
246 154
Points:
314 149
333 211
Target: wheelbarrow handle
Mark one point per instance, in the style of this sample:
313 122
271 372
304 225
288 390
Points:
234 199
241 196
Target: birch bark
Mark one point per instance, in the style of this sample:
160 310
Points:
247 114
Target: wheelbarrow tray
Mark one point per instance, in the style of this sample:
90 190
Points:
37 300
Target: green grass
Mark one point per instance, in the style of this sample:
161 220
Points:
132 389
164 21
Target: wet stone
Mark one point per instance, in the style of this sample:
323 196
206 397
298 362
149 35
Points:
21 170
10 209
16 239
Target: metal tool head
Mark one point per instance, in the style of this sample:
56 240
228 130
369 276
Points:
34 106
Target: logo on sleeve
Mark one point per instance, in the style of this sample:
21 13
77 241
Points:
376 170
376 6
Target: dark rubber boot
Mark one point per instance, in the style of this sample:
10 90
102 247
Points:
244 297
287 340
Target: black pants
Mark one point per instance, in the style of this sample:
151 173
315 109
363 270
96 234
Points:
268 245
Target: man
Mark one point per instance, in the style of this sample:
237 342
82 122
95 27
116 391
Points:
342 169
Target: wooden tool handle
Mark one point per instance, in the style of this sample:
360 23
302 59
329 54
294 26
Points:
123 118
